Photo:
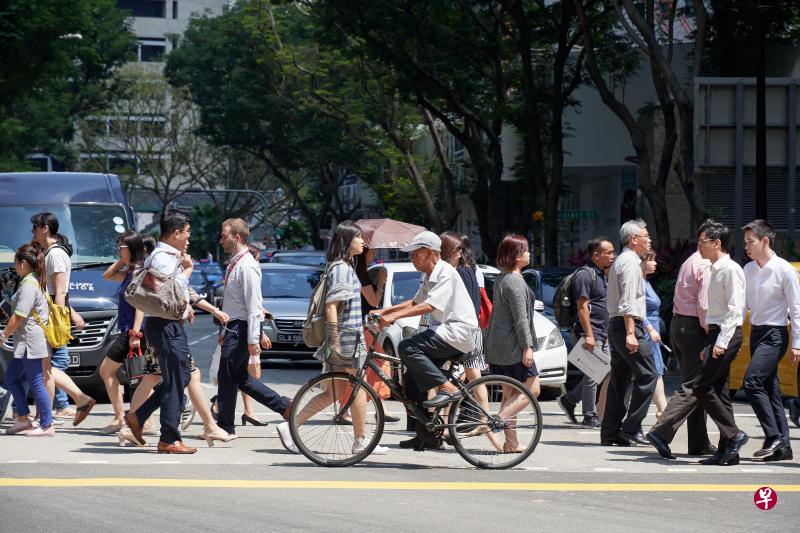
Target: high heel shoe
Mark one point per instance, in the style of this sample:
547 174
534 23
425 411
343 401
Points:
253 421
210 434
213 408
125 436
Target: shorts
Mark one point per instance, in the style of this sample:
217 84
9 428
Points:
152 367
118 351
517 371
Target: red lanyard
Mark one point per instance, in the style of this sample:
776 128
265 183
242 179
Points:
233 264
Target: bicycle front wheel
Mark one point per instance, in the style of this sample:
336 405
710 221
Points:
325 437
497 424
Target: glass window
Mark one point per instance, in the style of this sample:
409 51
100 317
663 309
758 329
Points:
144 8
404 286
289 283
151 128
151 52
92 230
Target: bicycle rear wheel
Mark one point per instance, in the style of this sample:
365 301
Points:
510 432
320 434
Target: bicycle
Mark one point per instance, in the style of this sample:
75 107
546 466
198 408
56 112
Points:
474 420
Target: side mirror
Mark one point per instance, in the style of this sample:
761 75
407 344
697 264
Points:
538 305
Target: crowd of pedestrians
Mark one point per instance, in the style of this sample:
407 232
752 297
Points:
617 314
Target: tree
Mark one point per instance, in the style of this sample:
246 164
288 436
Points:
54 63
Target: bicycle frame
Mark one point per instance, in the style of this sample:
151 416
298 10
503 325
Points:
416 411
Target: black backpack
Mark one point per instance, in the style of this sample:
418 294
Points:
565 308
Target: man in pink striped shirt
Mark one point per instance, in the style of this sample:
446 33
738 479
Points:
687 332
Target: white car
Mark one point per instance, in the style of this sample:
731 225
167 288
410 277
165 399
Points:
402 282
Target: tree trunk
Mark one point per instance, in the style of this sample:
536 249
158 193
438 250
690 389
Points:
657 199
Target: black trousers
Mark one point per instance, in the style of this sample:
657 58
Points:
768 345
688 342
639 366
711 387
423 355
233 377
169 343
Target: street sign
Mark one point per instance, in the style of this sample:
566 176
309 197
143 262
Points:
574 214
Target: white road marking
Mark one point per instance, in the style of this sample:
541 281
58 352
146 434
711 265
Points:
204 337
23 461
607 469
537 468
681 470
167 462
756 470
92 462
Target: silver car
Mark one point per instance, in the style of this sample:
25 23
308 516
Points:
286 291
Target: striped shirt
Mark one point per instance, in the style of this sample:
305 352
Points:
343 286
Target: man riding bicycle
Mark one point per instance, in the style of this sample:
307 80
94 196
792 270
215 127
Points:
447 331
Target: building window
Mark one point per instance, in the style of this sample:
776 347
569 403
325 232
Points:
144 8
152 49
174 9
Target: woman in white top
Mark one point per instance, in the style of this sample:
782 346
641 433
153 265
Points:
31 353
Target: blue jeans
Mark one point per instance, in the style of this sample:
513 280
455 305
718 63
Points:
60 360
20 369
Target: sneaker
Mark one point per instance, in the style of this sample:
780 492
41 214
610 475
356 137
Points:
360 444
20 426
591 422
568 407
41 432
187 416
285 434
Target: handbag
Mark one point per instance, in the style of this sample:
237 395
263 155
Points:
485 310
156 294
134 366
57 329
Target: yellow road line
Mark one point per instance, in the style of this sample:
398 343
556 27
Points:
386 485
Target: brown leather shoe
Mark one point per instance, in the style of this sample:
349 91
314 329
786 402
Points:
136 429
175 447
83 411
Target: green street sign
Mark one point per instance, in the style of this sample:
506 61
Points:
576 215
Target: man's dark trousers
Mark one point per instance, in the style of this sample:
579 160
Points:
711 387
233 377
768 345
624 365
688 342
423 355
169 342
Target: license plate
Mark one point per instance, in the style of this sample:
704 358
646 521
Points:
75 359
293 338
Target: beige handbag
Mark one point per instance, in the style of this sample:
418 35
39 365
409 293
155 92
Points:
156 294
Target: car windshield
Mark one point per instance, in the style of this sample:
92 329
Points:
300 259
288 283
91 229
404 286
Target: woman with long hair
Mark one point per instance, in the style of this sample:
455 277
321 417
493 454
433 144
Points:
652 326
31 354
131 255
511 339
342 310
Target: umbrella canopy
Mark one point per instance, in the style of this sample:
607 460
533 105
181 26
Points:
387 233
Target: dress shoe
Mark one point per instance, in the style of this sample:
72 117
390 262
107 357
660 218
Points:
785 454
175 447
638 438
713 460
772 445
732 449
794 411
708 449
420 443
136 429
616 441
83 411
253 421
660 445
442 398
568 407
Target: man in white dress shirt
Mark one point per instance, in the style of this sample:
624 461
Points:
726 294
243 337
773 294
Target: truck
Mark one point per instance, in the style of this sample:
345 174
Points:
93 212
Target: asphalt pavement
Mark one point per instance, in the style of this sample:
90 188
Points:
82 480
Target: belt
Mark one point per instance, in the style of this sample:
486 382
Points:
686 316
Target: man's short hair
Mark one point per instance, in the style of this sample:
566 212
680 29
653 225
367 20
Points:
594 244
630 229
716 231
173 219
238 227
762 228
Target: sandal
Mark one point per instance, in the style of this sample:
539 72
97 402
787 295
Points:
83 411
511 449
